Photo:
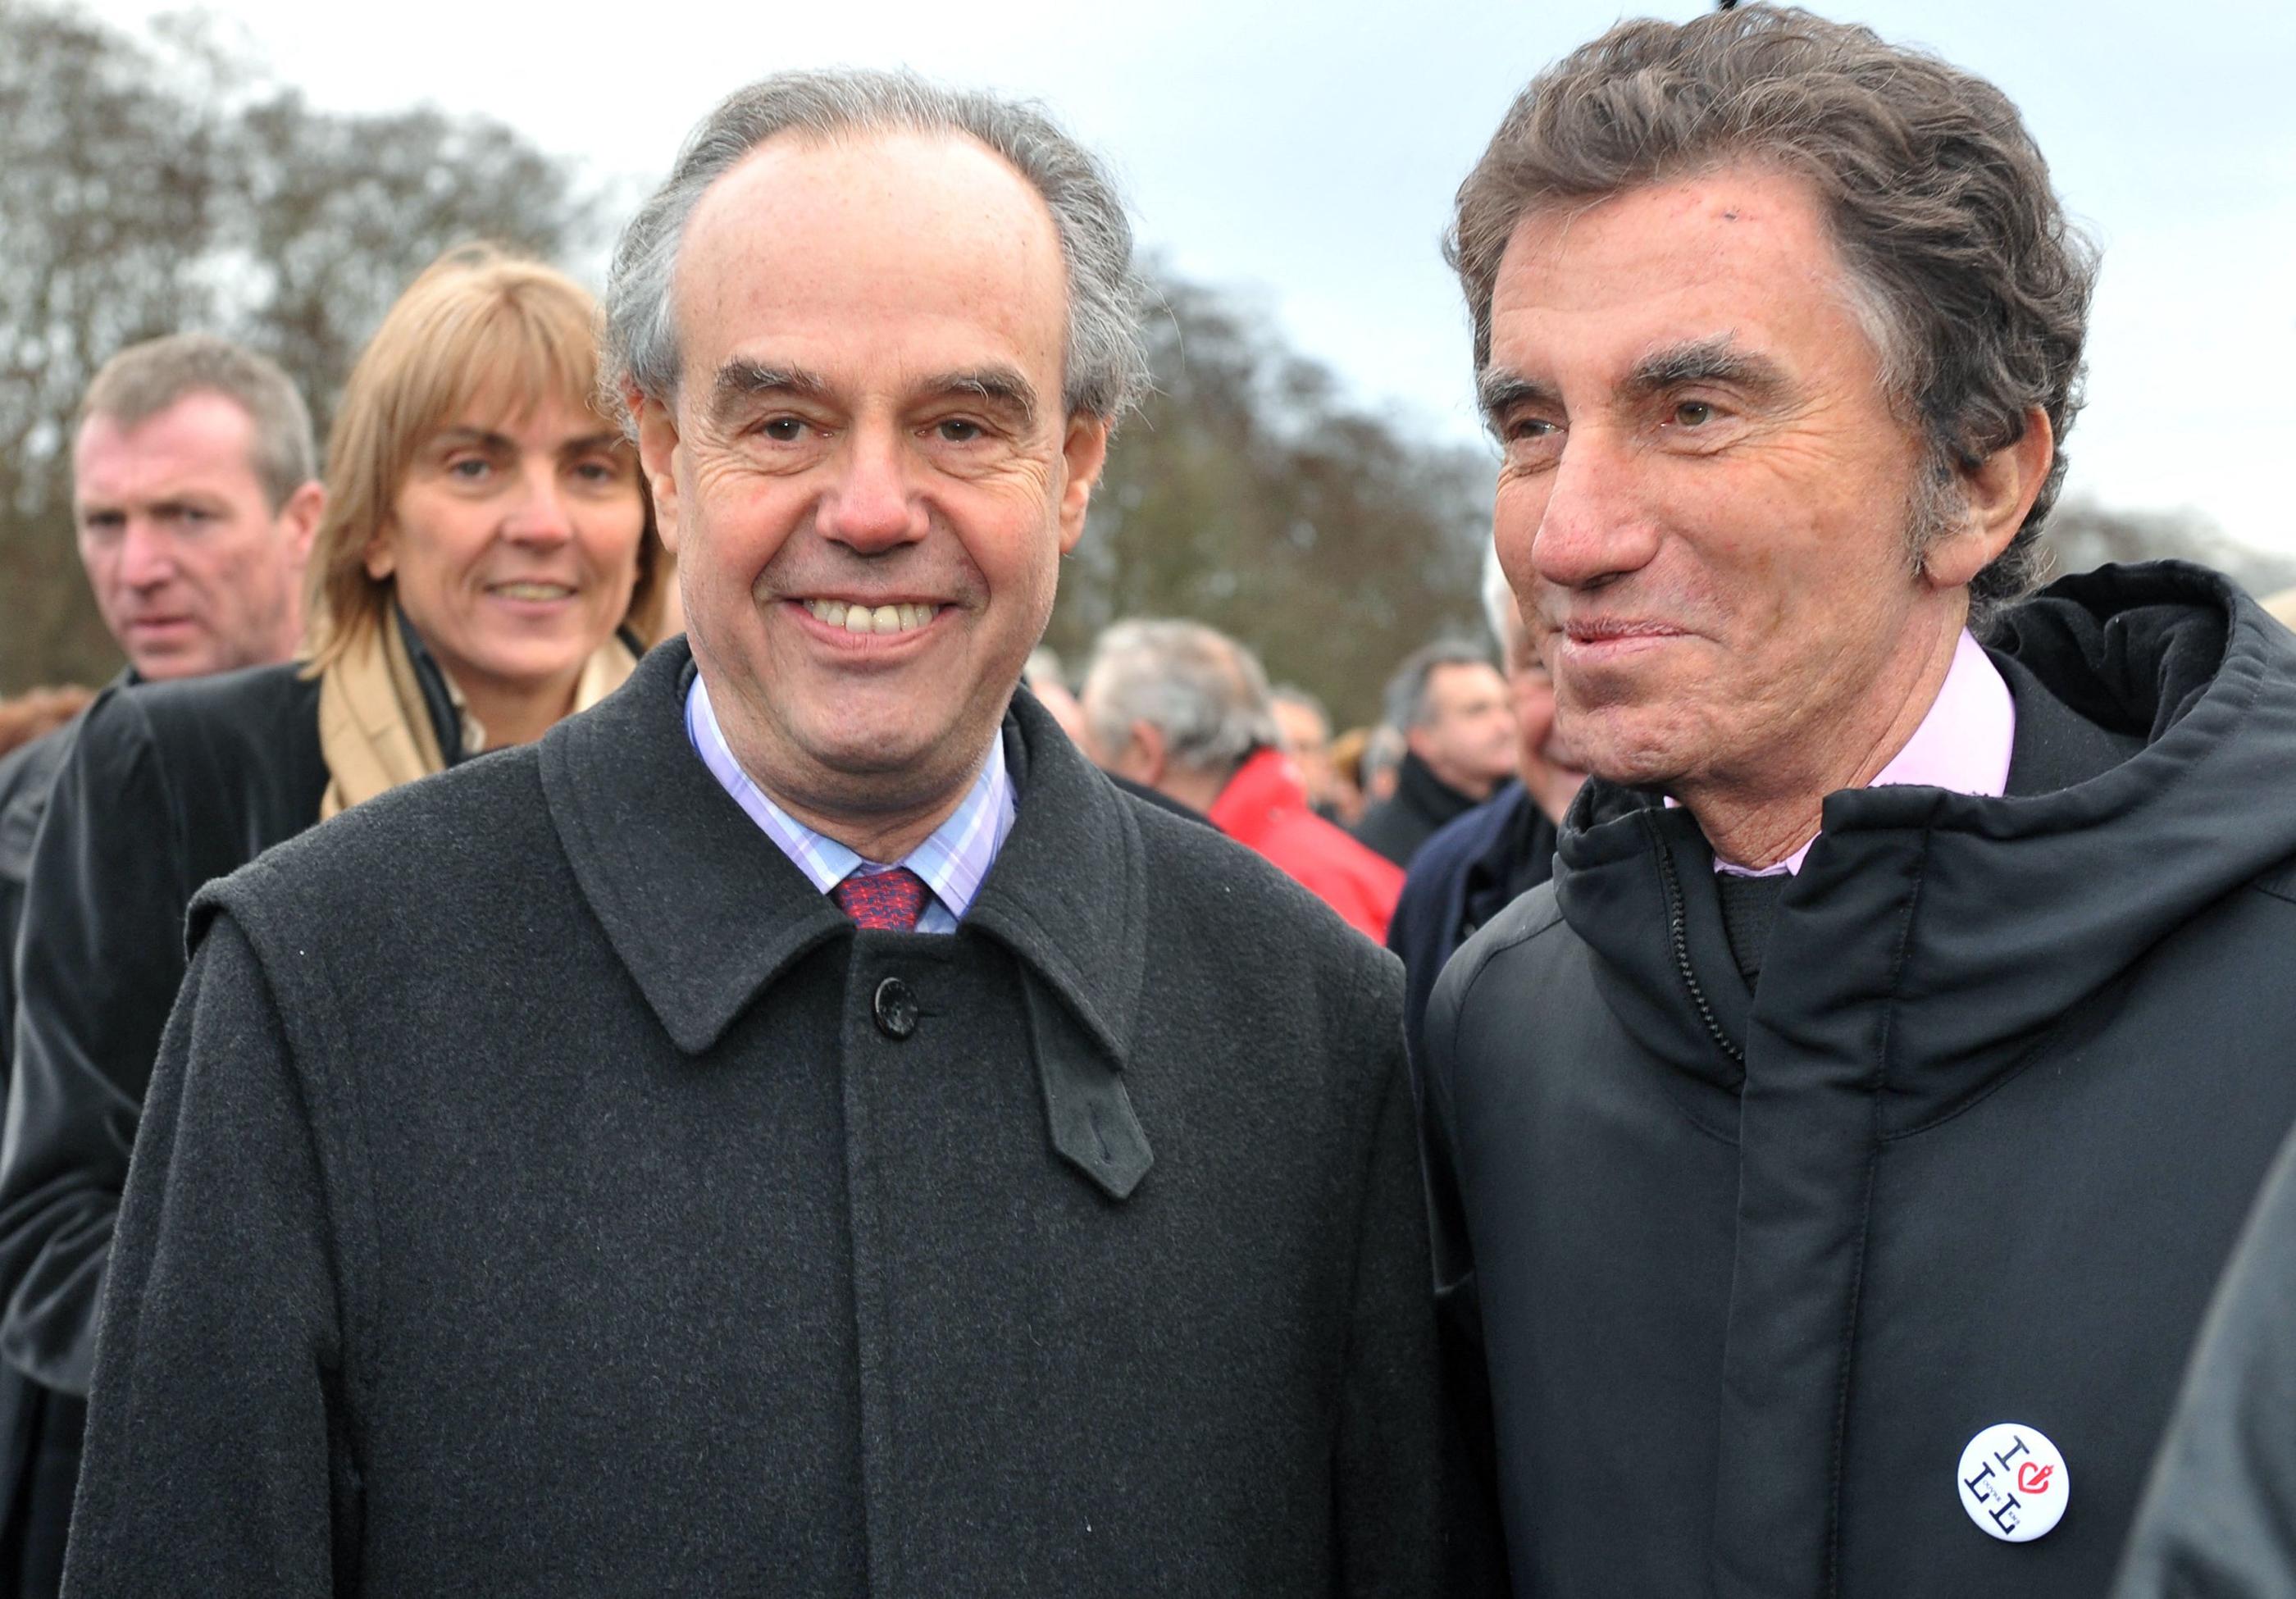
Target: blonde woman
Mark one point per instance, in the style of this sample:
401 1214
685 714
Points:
485 566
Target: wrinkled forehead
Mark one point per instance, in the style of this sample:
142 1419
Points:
1738 258
885 250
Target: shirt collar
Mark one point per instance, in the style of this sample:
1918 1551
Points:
1963 745
954 861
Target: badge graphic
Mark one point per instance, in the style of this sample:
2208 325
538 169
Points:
2013 1482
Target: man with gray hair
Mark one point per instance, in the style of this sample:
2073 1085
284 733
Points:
1185 709
1835 1157
804 1130
193 502
1459 745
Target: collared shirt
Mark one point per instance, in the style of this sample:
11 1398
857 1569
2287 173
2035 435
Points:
1963 744
953 862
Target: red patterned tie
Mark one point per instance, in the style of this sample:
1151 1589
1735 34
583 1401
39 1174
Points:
887 901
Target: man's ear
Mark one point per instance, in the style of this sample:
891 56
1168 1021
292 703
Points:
1996 496
1084 448
657 459
301 515
1147 757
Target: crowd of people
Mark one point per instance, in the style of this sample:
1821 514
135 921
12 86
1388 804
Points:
591 1015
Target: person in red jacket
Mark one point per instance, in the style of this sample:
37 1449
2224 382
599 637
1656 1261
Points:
1184 709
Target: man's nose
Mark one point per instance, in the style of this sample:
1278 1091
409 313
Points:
1596 522
870 507
147 553
540 515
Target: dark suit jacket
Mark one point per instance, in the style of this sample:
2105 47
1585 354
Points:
545 1190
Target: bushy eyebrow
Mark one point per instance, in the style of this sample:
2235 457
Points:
1499 392
1000 387
1716 360
739 382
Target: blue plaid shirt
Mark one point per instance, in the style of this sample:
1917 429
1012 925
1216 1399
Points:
953 862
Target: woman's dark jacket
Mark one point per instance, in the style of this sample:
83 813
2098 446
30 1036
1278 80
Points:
167 785
1750 1268
162 786
545 1190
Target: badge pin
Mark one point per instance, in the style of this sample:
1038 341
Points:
2013 1482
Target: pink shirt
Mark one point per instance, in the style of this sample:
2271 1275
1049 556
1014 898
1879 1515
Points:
1961 745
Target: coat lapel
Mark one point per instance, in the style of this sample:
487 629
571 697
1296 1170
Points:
700 906
706 912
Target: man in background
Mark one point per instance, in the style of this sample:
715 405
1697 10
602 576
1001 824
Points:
1303 731
194 501
1184 709
1477 863
1451 709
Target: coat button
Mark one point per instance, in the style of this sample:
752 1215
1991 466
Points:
896 1008
2013 1482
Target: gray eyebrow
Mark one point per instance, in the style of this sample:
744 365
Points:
1497 391
1000 385
738 380
1715 360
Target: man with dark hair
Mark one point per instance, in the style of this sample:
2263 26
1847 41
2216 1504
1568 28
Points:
1831 1165
803 1130
1184 710
1451 707
193 497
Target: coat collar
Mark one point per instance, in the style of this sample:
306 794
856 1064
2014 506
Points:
2156 718
707 914
1417 787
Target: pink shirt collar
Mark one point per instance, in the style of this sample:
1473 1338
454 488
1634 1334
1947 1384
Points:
1963 744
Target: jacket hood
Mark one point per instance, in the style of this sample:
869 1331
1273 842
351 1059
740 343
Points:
2156 737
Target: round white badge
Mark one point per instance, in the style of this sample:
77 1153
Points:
2013 1482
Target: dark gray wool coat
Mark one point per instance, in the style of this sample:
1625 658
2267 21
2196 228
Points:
543 1190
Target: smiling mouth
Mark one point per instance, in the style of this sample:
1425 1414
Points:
871 618
532 591
1607 631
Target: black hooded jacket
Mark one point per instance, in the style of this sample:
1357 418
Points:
1748 1270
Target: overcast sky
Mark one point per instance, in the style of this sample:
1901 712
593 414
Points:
1305 156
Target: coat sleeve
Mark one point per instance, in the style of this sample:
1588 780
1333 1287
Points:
2219 1520
1413 1517
99 958
216 1456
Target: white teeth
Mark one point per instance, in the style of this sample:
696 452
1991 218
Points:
864 618
533 591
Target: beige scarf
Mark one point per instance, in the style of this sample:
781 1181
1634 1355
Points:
374 730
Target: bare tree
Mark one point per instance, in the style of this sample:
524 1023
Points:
1249 495
2083 536
158 181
